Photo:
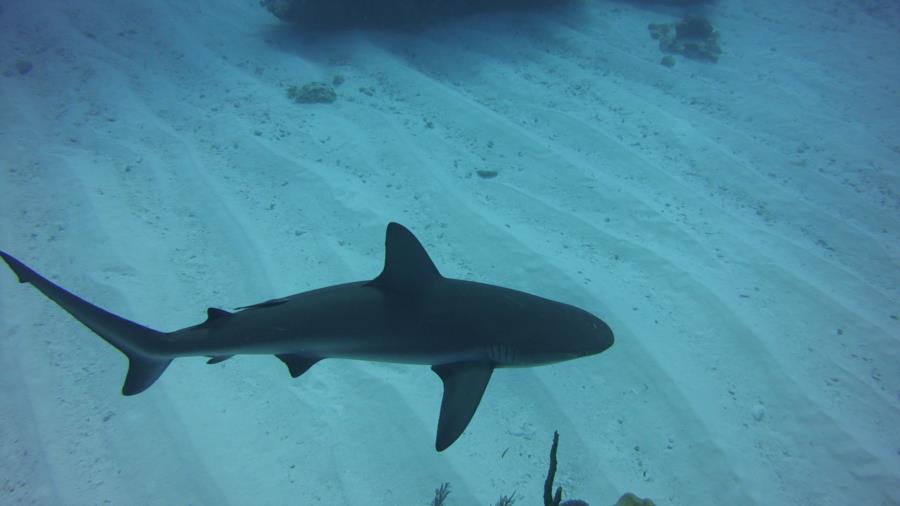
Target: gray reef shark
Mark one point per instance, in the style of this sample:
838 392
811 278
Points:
408 314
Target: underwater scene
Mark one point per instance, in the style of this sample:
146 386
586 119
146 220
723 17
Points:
450 252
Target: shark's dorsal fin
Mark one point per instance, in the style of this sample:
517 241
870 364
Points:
214 316
464 384
407 266
297 364
214 313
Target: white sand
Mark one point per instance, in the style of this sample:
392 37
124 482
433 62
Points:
736 224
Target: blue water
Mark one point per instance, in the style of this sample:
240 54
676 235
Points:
735 222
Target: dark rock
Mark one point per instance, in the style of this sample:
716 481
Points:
312 93
630 499
694 27
320 14
659 30
693 37
681 3
23 67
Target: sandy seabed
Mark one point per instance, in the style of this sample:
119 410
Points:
736 223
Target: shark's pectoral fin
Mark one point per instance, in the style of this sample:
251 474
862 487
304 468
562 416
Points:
297 364
218 358
464 384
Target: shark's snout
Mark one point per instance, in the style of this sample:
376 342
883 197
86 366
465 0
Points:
603 337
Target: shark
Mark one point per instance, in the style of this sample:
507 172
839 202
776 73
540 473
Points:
408 314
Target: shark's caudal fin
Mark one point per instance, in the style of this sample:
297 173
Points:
140 344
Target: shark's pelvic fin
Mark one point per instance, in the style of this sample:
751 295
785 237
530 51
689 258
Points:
407 266
297 364
142 346
464 384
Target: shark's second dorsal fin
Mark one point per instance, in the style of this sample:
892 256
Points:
407 266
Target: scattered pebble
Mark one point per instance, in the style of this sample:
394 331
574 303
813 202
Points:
758 412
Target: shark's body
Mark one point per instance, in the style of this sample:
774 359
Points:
408 314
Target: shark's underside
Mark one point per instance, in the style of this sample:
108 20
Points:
408 314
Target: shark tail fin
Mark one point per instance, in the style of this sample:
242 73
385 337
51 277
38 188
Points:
143 346
142 372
